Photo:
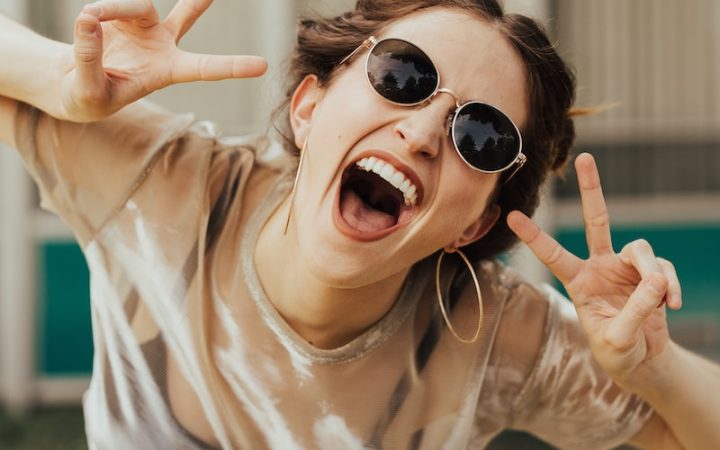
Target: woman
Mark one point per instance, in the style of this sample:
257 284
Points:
237 304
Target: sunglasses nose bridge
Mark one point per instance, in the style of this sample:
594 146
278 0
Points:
455 97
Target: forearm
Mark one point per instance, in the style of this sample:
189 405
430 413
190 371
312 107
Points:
684 389
32 67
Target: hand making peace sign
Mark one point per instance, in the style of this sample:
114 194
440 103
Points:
122 52
617 296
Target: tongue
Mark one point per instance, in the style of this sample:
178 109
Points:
362 217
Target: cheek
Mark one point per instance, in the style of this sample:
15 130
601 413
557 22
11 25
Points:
465 195
349 110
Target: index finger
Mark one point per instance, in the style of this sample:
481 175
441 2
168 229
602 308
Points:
595 213
563 264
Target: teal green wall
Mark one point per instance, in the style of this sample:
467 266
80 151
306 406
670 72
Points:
64 334
693 249
65 339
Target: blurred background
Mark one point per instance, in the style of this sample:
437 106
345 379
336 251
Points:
658 149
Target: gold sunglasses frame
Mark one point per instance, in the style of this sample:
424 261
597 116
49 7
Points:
370 44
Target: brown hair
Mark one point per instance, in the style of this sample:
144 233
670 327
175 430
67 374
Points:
548 134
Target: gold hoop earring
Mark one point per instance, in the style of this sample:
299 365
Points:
294 188
441 302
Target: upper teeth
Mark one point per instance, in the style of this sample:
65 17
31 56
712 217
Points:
392 176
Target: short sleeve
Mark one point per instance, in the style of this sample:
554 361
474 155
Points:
567 399
85 172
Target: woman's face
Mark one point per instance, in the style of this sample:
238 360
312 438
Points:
344 241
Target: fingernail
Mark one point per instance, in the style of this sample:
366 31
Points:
677 301
87 28
92 9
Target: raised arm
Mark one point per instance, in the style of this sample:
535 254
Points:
63 106
121 52
621 301
25 73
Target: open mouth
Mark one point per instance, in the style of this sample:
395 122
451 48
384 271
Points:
375 198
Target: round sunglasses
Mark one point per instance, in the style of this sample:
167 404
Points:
484 136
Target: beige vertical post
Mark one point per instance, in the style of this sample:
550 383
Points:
17 302
522 258
276 27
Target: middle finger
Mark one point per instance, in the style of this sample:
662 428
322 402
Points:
641 256
595 213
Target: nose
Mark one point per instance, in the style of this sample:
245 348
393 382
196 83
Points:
423 130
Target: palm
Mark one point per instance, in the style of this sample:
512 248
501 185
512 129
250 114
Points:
136 61
132 53
600 291
624 326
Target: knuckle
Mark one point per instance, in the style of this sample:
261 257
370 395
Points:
193 5
666 264
661 279
600 220
86 53
555 254
534 235
203 67
90 97
108 7
636 310
642 245
147 7
615 342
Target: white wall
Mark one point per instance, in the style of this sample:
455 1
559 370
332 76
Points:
537 9
522 259
16 271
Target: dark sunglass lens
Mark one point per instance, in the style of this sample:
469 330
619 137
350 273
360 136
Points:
401 72
485 137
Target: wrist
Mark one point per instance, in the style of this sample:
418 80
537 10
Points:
657 377
44 82
38 66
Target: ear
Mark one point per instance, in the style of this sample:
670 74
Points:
302 106
478 229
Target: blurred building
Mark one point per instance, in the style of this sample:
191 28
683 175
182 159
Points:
655 66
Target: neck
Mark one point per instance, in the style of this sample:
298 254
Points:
323 315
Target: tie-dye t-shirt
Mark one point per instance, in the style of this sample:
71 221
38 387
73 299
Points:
190 354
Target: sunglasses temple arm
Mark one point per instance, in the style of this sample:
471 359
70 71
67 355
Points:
367 43
520 161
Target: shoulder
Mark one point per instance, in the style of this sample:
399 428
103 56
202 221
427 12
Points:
523 303
250 164
528 318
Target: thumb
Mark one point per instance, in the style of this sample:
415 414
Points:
640 305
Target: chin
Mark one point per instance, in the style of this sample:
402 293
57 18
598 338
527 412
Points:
348 236
338 267
337 262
